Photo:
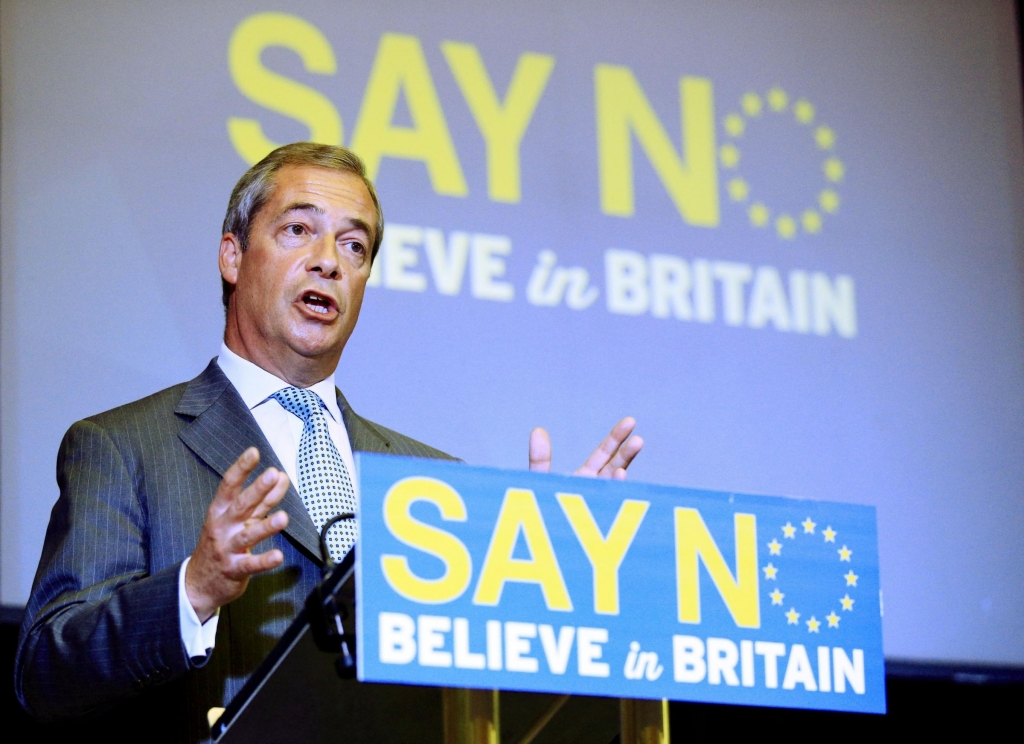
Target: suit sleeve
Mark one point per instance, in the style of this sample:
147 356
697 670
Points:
98 627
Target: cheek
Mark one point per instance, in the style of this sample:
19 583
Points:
266 280
355 294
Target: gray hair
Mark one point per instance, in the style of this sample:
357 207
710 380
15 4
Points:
255 188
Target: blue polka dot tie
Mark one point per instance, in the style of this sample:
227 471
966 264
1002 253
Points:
324 482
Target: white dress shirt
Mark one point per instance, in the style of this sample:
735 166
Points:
283 431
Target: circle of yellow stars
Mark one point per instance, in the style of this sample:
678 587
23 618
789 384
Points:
771 573
777 101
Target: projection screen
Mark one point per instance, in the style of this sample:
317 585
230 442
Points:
786 237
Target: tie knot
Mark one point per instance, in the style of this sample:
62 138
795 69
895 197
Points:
299 401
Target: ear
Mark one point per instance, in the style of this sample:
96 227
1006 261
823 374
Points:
230 258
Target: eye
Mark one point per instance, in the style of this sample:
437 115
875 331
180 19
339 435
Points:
356 247
295 229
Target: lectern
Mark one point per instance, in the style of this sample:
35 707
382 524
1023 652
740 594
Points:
305 692
586 602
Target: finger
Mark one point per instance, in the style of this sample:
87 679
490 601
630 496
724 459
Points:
619 474
256 532
255 492
234 478
540 450
272 499
255 563
607 449
623 457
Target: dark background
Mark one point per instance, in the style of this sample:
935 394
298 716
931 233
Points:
923 699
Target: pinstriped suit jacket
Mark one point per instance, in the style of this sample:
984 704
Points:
102 624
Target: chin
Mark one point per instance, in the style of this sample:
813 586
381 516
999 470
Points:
317 345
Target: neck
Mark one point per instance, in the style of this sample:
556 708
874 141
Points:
292 367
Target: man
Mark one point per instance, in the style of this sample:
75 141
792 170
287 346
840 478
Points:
148 585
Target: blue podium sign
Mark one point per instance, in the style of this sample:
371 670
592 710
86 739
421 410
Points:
501 579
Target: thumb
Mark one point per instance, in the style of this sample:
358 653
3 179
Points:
540 451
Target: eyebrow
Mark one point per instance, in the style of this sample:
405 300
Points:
359 224
355 222
301 207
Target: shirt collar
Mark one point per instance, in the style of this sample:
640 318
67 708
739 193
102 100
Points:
256 385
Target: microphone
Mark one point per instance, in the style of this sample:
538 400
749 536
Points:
329 606
325 553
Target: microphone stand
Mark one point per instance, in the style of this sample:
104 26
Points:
331 606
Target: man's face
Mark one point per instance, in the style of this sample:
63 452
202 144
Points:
299 285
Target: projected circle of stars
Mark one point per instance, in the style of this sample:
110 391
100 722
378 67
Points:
776 101
771 573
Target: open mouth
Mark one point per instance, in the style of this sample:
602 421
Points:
318 303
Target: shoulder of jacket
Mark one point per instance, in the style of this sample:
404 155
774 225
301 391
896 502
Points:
143 411
400 444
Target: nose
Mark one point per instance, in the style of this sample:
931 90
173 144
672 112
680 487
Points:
323 258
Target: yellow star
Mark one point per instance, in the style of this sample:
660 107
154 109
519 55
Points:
833 619
829 201
830 534
824 138
851 578
775 548
789 530
804 111
834 170
770 572
813 624
759 214
751 103
792 617
777 99
729 154
844 553
738 189
785 226
847 603
809 526
735 125
811 221
776 597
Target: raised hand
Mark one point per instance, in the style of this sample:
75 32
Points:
237 520
609 460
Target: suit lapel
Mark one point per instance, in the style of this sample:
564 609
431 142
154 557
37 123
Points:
363 436
222 428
